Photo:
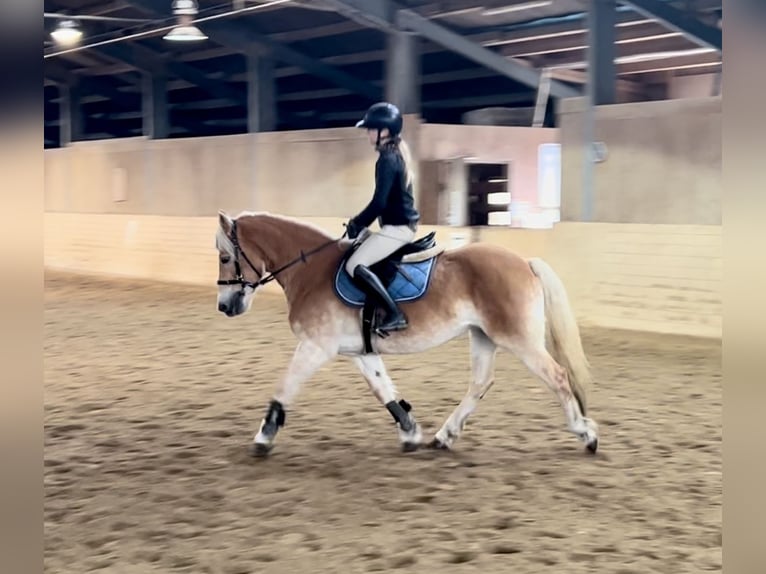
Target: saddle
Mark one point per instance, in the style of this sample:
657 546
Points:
405 274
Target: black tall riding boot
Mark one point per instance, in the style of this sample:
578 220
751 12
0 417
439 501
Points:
372 286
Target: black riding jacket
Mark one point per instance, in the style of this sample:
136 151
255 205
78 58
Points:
393 202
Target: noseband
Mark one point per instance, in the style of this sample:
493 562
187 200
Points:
239 279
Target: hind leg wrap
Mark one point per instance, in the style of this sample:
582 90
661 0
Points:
374 371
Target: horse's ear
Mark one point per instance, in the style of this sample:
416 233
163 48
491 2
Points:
224 221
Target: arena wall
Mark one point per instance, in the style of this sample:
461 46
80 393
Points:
662 278
651 261
663 162
325 173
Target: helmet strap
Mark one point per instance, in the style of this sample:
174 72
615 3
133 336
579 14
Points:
392 140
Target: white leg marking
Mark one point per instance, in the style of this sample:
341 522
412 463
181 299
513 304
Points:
374 372
483 352
539 361
307 359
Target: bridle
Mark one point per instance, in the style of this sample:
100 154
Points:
239 279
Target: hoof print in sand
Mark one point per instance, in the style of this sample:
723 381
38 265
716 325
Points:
461 557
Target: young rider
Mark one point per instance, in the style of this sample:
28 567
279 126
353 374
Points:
392 204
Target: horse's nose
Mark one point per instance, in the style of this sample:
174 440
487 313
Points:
223 307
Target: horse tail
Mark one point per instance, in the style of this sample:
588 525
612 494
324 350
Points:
562 331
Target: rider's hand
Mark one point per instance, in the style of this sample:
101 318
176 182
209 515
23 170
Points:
352 229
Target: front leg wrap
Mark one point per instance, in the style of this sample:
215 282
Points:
274 419
400 412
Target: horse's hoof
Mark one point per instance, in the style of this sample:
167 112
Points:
259 450
592 446
410 446
436 444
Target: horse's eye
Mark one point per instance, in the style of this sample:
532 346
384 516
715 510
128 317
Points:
225 259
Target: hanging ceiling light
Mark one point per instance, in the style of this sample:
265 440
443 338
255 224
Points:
516 7
67 33
186 31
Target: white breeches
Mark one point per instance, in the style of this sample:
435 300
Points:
380 245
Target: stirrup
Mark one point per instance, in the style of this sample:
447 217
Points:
388 327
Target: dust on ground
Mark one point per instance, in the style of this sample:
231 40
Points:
152 398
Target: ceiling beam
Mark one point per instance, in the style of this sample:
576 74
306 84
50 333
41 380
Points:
388 16
108 126
122 101
62 76
82 59
546 44
481 101
243 39
450 40
548 32
644 63
211 104
558 37
314 95
579 57
303 34
349 114
108 70
428 79
340 60
378 14
299 35
206 54
145 58
486 39
704 63
681 21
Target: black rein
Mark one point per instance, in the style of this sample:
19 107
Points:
240 280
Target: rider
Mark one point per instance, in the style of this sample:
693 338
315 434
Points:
392 204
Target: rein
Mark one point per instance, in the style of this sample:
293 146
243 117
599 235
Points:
240 279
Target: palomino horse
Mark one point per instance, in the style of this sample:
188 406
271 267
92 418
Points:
501 299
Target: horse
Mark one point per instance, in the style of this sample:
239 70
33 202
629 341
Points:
500 299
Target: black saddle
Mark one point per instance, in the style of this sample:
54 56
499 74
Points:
425 242
386 268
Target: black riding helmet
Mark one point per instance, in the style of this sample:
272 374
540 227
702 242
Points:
382 115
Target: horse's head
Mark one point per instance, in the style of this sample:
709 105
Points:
238 272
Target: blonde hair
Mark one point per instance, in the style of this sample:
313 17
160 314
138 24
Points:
404 149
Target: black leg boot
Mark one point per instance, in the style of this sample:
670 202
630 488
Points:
372 286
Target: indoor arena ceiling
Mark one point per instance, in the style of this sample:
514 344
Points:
329 57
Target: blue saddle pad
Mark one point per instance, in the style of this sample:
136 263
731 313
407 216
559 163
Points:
409 284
